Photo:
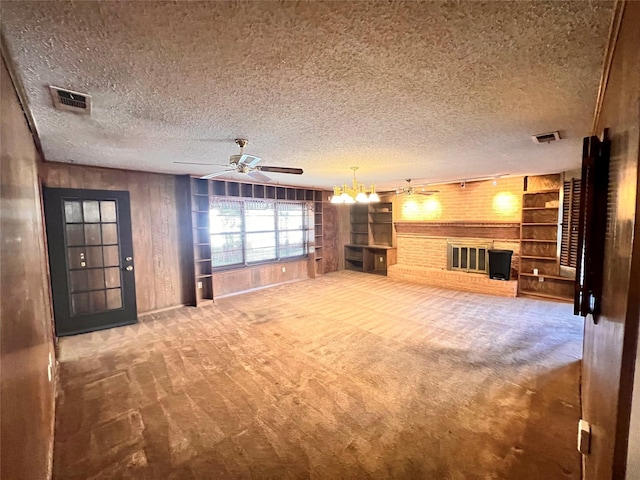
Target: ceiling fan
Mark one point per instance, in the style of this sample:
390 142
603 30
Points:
409 189
245 163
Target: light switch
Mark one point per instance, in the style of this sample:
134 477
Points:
199 284
584 437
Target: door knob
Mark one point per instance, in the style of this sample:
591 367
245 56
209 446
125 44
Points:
128 268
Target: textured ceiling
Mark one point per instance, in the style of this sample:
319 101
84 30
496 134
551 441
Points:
432 91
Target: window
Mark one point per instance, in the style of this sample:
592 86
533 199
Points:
254 231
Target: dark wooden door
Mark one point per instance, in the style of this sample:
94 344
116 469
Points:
91 259
330 238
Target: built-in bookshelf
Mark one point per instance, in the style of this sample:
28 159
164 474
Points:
372 241
539 273
201 191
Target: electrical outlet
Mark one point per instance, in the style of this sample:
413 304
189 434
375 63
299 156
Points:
381 259
584 437
541 279
284 269
199 284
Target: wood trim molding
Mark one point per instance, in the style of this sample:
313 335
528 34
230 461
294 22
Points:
460 229
618 11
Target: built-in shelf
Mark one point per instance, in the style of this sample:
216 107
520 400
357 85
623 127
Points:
539 243
537 192
530 293
555 277
369 258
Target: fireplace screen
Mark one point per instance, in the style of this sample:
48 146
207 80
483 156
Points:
468 256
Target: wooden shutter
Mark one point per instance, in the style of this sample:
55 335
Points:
570 218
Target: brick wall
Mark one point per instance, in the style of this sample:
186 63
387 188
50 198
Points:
477 202
422 256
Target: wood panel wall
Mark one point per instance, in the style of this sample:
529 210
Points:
248 278
610 347
26 330
157 242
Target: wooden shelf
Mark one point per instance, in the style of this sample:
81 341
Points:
539 242
530 293
554 277
539 258
542 191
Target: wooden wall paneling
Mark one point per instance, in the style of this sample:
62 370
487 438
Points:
610 347
543 182
330 238
344 232
157 242
158 232
243 279
26 333
142 244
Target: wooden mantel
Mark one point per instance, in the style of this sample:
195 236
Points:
495 230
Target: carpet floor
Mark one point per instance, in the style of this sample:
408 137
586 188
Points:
348 376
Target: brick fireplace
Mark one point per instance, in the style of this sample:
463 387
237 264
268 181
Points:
481 215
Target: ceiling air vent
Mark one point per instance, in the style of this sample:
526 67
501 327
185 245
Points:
70 101
546 137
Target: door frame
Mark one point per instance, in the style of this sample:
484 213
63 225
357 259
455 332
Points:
64 322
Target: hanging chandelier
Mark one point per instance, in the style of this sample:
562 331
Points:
355 194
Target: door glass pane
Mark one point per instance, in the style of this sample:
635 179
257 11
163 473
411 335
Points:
76 257
91 211
472 258
72 212
112 277
92 234
111 256
80 303
108 211
75 234
96 279
114 299
79 280
94 256
456 258
109 233
97 301
463 257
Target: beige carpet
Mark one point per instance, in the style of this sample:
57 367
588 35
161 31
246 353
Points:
347 376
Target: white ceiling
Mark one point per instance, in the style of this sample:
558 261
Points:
432 91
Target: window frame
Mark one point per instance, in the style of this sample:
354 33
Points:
278 205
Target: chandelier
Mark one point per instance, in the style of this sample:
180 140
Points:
355 194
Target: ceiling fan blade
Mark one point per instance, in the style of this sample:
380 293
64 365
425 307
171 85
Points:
249 160
294 171
256 175
198 163
427 192
214 175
